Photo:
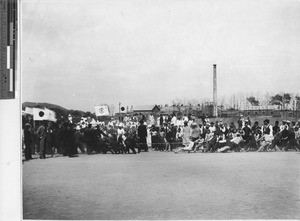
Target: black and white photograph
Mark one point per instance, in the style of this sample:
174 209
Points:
152 110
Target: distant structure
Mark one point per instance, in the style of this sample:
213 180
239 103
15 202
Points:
215 103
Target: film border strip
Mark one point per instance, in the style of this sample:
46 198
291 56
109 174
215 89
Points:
8 45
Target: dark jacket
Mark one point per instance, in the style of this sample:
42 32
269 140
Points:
142 131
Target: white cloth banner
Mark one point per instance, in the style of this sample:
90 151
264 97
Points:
101 110
28 110
51 115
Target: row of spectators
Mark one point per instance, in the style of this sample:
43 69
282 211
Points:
220 137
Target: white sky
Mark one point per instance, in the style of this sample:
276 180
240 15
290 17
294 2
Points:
81 53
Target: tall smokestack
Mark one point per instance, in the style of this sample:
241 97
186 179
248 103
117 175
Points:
215 90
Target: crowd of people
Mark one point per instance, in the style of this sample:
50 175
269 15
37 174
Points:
132 134
221 137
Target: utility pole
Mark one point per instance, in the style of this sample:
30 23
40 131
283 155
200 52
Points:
119 111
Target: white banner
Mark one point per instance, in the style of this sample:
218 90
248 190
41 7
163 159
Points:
51 115
29 110
101 110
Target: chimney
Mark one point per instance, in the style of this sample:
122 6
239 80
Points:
215 90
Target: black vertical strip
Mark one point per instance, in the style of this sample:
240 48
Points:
14 14
14 44
8 18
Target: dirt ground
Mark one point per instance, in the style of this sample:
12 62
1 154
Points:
164 185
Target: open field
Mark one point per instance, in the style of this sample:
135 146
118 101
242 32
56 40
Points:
164 185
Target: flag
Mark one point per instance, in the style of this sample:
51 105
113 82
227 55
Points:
123 110
40 114
101 110
51 115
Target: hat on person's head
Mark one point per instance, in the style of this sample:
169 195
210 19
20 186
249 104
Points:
266 121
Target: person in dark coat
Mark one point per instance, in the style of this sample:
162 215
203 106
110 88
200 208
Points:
161 120
69 141
142 136
98 134
89 139
276 128
50 139
62 137
246 133
42 134
27 141
130 142
78 137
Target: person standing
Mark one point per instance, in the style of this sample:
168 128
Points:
142 136
151 119
203 119
276 128
186 134
78 137
42 134
121 134
71 148
240 122
27 141
161 120
89 139
50 145
174 120
149 144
